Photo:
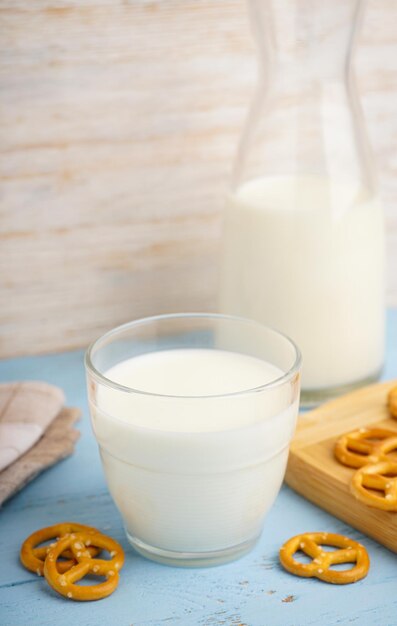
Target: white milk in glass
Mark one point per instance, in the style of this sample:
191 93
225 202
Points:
306 256
193 470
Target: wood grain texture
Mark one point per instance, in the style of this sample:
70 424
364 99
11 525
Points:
119 122
314 472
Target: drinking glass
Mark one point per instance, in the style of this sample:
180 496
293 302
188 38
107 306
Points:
193 476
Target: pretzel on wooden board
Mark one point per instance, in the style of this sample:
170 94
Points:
370 481
366 445
33 557
64 583
310 543
392 402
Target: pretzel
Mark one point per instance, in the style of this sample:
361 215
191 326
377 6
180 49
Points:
310 544
64 583
33 557
356 449
378 477
392 402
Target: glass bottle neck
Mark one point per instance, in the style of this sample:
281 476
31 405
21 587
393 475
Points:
305 41
305 118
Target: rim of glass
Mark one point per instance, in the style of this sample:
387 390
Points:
214 316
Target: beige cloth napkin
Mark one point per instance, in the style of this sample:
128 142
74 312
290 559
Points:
35 432
26 409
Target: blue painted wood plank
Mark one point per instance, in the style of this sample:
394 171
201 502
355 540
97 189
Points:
252 591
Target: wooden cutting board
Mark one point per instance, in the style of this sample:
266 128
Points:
315 473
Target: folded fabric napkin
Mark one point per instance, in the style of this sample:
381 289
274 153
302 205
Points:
35 432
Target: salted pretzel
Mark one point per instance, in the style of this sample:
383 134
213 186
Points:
379 477
310 543
366 445
33 557
392 402
64 583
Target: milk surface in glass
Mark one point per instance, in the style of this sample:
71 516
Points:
197 472
306 255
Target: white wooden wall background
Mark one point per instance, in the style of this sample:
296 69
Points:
119 121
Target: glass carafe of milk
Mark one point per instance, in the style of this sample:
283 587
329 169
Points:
303 245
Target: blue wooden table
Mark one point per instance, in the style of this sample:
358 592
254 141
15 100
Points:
253 591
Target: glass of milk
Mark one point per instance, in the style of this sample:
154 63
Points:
303 244
193 415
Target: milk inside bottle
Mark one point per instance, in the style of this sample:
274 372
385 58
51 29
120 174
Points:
305 255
